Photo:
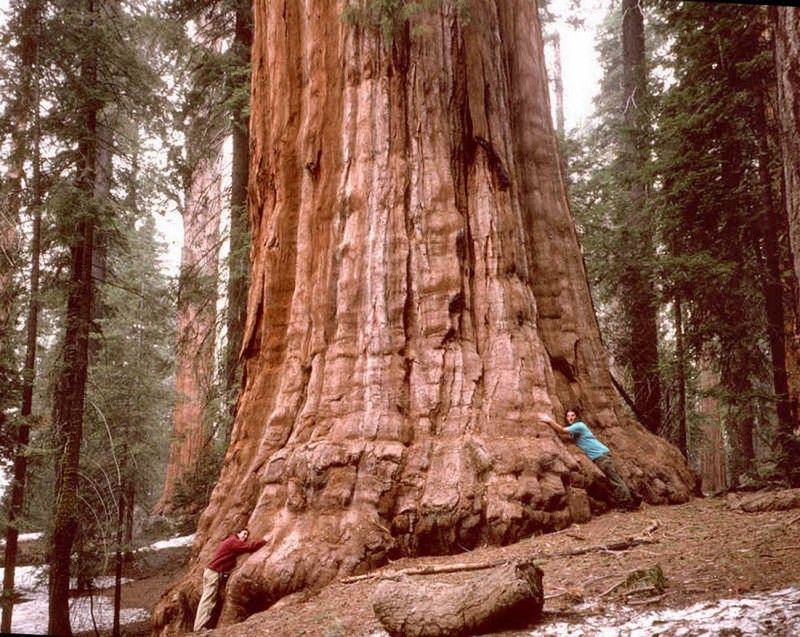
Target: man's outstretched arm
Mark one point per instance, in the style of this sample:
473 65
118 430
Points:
561 431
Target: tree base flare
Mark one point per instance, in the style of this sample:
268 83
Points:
509 596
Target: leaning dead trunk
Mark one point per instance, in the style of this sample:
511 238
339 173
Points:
417 293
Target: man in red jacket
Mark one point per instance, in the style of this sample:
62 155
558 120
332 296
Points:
219 567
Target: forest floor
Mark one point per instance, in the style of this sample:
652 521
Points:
707 550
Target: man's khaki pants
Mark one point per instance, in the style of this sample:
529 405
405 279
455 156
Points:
621 492
208 600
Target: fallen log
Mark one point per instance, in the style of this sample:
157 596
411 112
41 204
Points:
508 597
620 545
765 501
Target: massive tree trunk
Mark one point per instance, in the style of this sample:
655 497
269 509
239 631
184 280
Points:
787 59
417 296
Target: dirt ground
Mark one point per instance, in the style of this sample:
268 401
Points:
705 548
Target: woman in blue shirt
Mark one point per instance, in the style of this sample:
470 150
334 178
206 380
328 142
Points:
577 431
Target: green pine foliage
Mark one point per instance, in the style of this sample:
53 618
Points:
715 181
715 203
390 17
130 389
128 397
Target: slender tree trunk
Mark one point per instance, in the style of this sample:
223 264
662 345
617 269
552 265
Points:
418 296
130 504
27 112
681 439
119 554
71 386
20 104
19 478
787 60
68 420
238 261
640 350
738 423
773 227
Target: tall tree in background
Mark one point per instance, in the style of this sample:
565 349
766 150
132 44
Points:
128 398
96 82
611 190
418 294
16 123
238 256
719 201
635 275
786 21
222 83
25 144
201 171
552 37
71 384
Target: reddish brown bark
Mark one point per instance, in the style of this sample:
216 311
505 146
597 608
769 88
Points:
787 51
417 296
196 326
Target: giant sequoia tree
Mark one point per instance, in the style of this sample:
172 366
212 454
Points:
417 297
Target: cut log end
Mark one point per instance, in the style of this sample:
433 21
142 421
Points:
507 597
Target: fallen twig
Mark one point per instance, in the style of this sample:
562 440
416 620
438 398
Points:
621 545
433 569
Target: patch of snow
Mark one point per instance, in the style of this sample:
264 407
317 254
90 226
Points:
24 537
184 540
30 616
772 613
